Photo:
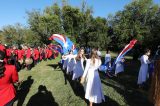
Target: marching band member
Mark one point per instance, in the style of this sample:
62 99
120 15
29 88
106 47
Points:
8 76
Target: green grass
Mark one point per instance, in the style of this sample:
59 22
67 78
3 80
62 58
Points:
119 91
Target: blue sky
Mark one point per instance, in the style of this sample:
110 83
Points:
14 11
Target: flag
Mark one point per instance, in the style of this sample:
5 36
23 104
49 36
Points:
127 48
64 41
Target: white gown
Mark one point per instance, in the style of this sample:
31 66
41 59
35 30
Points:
93 90
65 63
107 58
142 77
78 69
71 63
119 67
67 59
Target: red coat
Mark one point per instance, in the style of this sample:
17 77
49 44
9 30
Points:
36 54
2 48
28 55
8 52
49 53
7 90
20 54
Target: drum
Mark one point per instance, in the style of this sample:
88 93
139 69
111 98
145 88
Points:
20 61
29 61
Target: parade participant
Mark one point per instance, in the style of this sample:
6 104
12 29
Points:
119 66
8 76
93 91
99 53
79 66
108 59
36 55
142 77
29 59
71 62
2 47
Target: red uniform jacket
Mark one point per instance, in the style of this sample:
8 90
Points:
49 53
2 48
36 54
8 52
28 55
20 54
7 90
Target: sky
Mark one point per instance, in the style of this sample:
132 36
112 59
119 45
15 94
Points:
14 11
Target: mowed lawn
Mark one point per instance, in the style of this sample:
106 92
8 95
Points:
45 84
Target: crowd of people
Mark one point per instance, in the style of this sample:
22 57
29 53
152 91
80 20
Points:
82 69
86 69
13 59
27 56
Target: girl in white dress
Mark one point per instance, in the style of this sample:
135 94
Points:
79 66
142 77
93 90
119 66
71 62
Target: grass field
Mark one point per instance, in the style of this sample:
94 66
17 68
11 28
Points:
45 85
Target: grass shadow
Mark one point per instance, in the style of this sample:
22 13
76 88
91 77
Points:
54 66
77 88
126 85
42 98
23 90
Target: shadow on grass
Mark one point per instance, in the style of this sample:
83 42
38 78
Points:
23 90
108 102
42 98
54 66
77 88
126 85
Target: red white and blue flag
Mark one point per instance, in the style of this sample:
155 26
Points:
65 42
127 48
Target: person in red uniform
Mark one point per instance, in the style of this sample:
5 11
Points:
8 76
36 56
2 47
49 53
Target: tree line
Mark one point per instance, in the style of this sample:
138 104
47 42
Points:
139 20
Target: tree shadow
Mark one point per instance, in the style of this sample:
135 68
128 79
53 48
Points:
42 98
23 90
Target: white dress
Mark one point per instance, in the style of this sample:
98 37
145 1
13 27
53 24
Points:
65 63
142 77
107 58
93 90
119 67
78 69
71 63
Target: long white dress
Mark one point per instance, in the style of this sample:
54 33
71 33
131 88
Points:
71 63
107 58
119 67
78 69
65 63
142 77
93 90
67 59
